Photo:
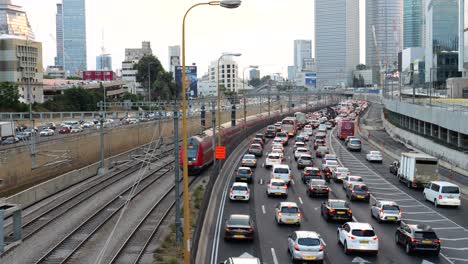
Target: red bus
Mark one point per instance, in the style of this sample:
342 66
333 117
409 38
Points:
345 129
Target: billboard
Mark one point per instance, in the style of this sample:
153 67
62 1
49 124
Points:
191 81
311 79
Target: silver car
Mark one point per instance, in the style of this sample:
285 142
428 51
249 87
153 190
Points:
306 246
354 144
305 160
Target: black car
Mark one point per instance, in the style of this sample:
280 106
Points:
311 173
358 191
336 210
244 174
419 237
270 132
239 227
261 136
317 188
394 167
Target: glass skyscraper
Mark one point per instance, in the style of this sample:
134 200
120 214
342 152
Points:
59 35
103 62
413 18
74 36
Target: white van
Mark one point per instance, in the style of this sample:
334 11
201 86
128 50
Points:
442 193
282 172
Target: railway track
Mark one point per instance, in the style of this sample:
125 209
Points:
134 247
71 243
52 211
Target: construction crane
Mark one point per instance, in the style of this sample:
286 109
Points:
377 49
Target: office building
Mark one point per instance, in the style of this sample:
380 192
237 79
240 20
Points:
441 35
104 62
413 23
14 21
292 72
336 41
132 56
254 74
55 72
462 36
228 73
386 17
174 58
302 51
71 36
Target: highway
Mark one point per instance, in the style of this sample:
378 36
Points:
270 243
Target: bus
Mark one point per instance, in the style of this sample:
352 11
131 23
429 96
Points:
345 129
289 126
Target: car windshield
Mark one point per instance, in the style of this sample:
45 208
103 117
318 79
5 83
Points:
309 242
425 235
306 158
281 170
322 148
255 147
242 221
239 188
249 157
360 188
355 141
391 207
301 150
278 183
273 156
289 210
244 171
271 128
332 163
338 204
359 179
363 233
450 189
281 134
317 182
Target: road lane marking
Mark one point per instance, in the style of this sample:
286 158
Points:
405 199
379 188
263 209
292 181
458 259
273 254
300 200
454 239
261 181
424 221
354 219
451 248
447 228
408 206
413 213
386 193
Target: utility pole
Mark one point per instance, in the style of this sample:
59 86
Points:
177 176
269 101
101 170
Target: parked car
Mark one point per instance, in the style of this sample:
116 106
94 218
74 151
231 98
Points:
418 237
76 129
50 125
333 209
317 188
306 246
442 193
239 226
386 211
355 236
10 140
22 136
64 130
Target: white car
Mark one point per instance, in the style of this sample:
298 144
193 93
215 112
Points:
331 164
386 211
288 213
299 152
279 152
272 159
309 130
306 246
356 236
329 157
277 187
47 132
299 144
88 124
349 180
304 135
277 140
76 129
442 193
340 173
249 160
282 172
374 156
277 146
239 192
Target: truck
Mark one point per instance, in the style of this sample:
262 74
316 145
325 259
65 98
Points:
345 128
417 169
7 129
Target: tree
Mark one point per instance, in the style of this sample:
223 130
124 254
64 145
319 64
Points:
9 98
74 99
256 82
131 97
162 84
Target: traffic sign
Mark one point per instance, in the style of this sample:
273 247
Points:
220 152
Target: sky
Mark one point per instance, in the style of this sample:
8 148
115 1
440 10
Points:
262 30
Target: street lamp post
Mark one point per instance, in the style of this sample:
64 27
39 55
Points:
218 112
243 90
225 4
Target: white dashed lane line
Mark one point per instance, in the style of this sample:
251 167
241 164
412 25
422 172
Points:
300 200
273 254
263 209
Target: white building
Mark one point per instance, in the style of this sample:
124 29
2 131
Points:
132 56
228 73
409 55
302 51
56 72
174 58
336 41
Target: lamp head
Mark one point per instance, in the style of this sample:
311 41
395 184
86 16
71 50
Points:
230 3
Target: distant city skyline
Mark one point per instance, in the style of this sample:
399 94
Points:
122 30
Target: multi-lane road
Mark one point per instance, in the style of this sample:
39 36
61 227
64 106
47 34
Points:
270 243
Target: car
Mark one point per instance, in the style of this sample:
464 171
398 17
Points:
321 151
300 151
244 174
288 213
33 131
249 160
22 136
329 125
322 128
311 173
386 211
305 136
10 140
50 125
306 246
257 141
270 132
358 191
329 157
239 226
277 140
348 181
304 160
239 192
279 152
277 146
374 156
256 149
282 172
260 136
277 187
417 237
65 130
348 138
320 135
327 168
339 173
394 167
272 159
88 125
242 260
309 130
47 132
278 126
283 136
317 188
76 129
355 236
300 138
333 209
299 144
354 144
442 193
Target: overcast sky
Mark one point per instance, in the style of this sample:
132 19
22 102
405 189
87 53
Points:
262 30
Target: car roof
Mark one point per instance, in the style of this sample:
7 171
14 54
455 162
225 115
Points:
242 260
342 168
421 227
312 168
246 168
255 145
239 216
302 149
307 234
277 180
444 183
337 200
288 204
300 143
249 155
387 202
281 166
354 176
240 184
305 155
357 225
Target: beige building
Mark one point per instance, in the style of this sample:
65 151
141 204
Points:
21 63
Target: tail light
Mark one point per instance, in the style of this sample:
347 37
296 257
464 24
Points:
296 246
400 212
353 191
248 192
375 238
272 175
306 173
415 240
381 211
321 247
437 241
251 230
440 196
228 229
231 192
285 187
299 214
350 211
326 188
331 211
351 237
367 192
280 214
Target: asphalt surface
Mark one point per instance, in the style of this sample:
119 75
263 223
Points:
270 243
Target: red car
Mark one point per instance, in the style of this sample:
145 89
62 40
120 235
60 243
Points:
64 130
